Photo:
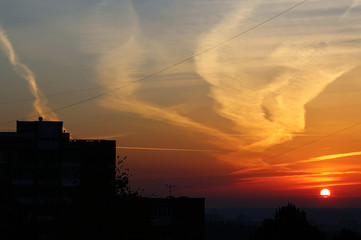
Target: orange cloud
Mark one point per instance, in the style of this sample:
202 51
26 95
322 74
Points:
266 99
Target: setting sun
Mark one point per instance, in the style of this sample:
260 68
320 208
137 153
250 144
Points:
325 193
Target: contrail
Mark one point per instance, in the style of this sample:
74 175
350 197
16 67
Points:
354 4
40 102
323 158
164 149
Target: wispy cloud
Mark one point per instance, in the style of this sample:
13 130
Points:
120 58
40 102
292 180
286 175
261 86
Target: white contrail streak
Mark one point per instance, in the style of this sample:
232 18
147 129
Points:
355 3
40 102
322 158
164 149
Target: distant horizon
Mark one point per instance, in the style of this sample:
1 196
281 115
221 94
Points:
324 217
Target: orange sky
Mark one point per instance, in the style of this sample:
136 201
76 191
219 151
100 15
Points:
270 116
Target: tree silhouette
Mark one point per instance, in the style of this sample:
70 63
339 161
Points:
289 223
121 184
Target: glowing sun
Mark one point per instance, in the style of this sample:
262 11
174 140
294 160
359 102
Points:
325 193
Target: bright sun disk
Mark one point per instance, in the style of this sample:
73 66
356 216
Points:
325 192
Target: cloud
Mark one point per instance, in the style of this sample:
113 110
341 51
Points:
309 177
40 102
261 84
121 57
266 98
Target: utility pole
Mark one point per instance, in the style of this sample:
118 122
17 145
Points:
170 187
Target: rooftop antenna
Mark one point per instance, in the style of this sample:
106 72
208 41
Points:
170 187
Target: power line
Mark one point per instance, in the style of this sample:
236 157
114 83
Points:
170 66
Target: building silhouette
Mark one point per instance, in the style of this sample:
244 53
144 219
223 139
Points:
42 168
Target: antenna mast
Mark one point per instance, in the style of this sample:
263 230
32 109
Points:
170 187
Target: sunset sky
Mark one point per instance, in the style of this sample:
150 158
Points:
249 103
